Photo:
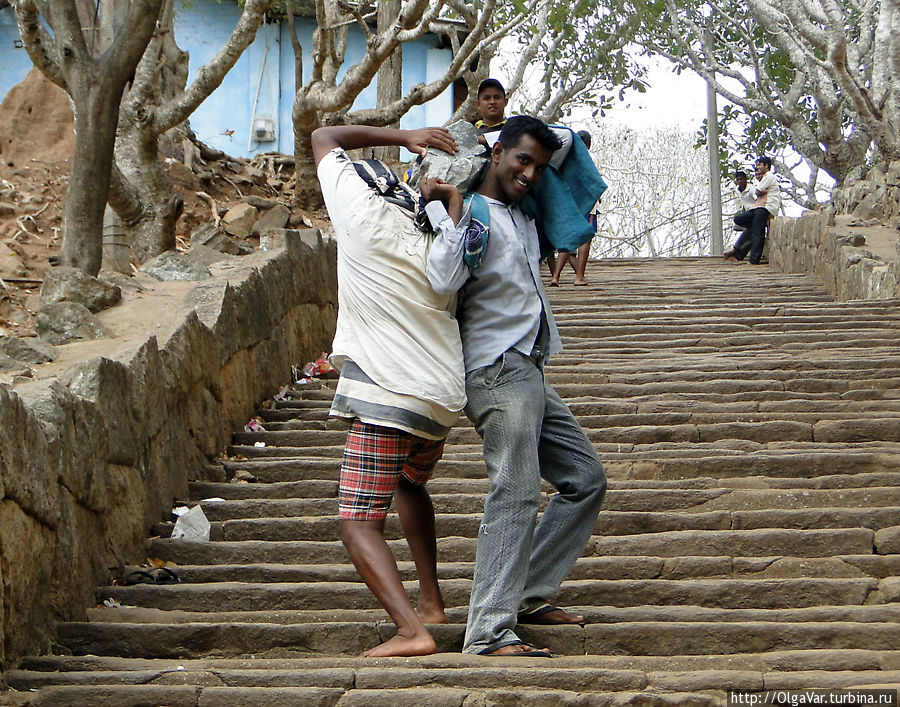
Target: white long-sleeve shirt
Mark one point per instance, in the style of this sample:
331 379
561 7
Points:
501 304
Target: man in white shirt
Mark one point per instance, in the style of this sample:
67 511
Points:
529 434
398 349
747 199
768 201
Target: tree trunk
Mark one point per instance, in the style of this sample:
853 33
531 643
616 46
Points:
307 193
390 75
96 115
151 230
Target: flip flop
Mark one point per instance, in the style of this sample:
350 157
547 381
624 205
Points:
554 284
158 575
138 577
538 617
533 653
163 575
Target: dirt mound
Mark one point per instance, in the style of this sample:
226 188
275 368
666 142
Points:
36 122
36 149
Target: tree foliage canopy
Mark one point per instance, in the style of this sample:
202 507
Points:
819 75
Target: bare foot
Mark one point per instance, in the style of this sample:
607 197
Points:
521 649
580 282
420 644
554 283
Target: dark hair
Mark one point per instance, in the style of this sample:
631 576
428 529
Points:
740 173
765 160
490 83
520 125
585 137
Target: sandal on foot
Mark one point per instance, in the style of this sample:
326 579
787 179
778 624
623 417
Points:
529 652
539 616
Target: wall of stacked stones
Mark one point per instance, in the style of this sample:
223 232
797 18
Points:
90 460
838 255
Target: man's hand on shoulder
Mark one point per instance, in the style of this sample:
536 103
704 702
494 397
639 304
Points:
420 140
433 189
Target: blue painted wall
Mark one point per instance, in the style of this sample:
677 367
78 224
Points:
14 61
261 84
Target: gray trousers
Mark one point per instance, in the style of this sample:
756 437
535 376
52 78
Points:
528 434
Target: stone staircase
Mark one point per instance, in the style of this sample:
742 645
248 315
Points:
750 540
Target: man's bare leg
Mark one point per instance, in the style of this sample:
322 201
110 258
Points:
581 263
561 261
373 560
551 263
417 519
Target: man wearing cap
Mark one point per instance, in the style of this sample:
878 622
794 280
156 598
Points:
491 102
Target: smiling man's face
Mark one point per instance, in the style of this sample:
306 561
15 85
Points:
519 168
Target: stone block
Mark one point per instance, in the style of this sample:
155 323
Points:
887 540
27 349
11 265
170 266
275 217
208 235
108 383
64 322
62 284
239 219
459 169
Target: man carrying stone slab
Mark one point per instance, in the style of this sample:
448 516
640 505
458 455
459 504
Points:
398 349
508 333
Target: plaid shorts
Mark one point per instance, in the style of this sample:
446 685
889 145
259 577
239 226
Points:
374 459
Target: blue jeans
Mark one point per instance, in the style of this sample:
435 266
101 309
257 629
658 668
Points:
756 221
528 434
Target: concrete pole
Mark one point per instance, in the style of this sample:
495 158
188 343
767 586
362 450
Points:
715 177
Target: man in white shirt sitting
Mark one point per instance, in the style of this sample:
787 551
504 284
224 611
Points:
767 203
747 199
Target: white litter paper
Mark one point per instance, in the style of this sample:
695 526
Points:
193 525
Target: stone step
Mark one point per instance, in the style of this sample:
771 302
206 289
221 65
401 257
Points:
724 593
610 523
517 683
180 641
461 432
829 666
589 315
277 466
645 500
616 567
791 331
885 613
884 427
705 543
324 488
748 539
622 494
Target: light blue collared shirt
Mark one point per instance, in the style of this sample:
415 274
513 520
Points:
500 305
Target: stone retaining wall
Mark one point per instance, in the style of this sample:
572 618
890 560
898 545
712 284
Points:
810 244
88 461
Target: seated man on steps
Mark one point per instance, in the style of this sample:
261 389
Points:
398 349
508 333
767 194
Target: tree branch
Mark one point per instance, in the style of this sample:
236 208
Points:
209 77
